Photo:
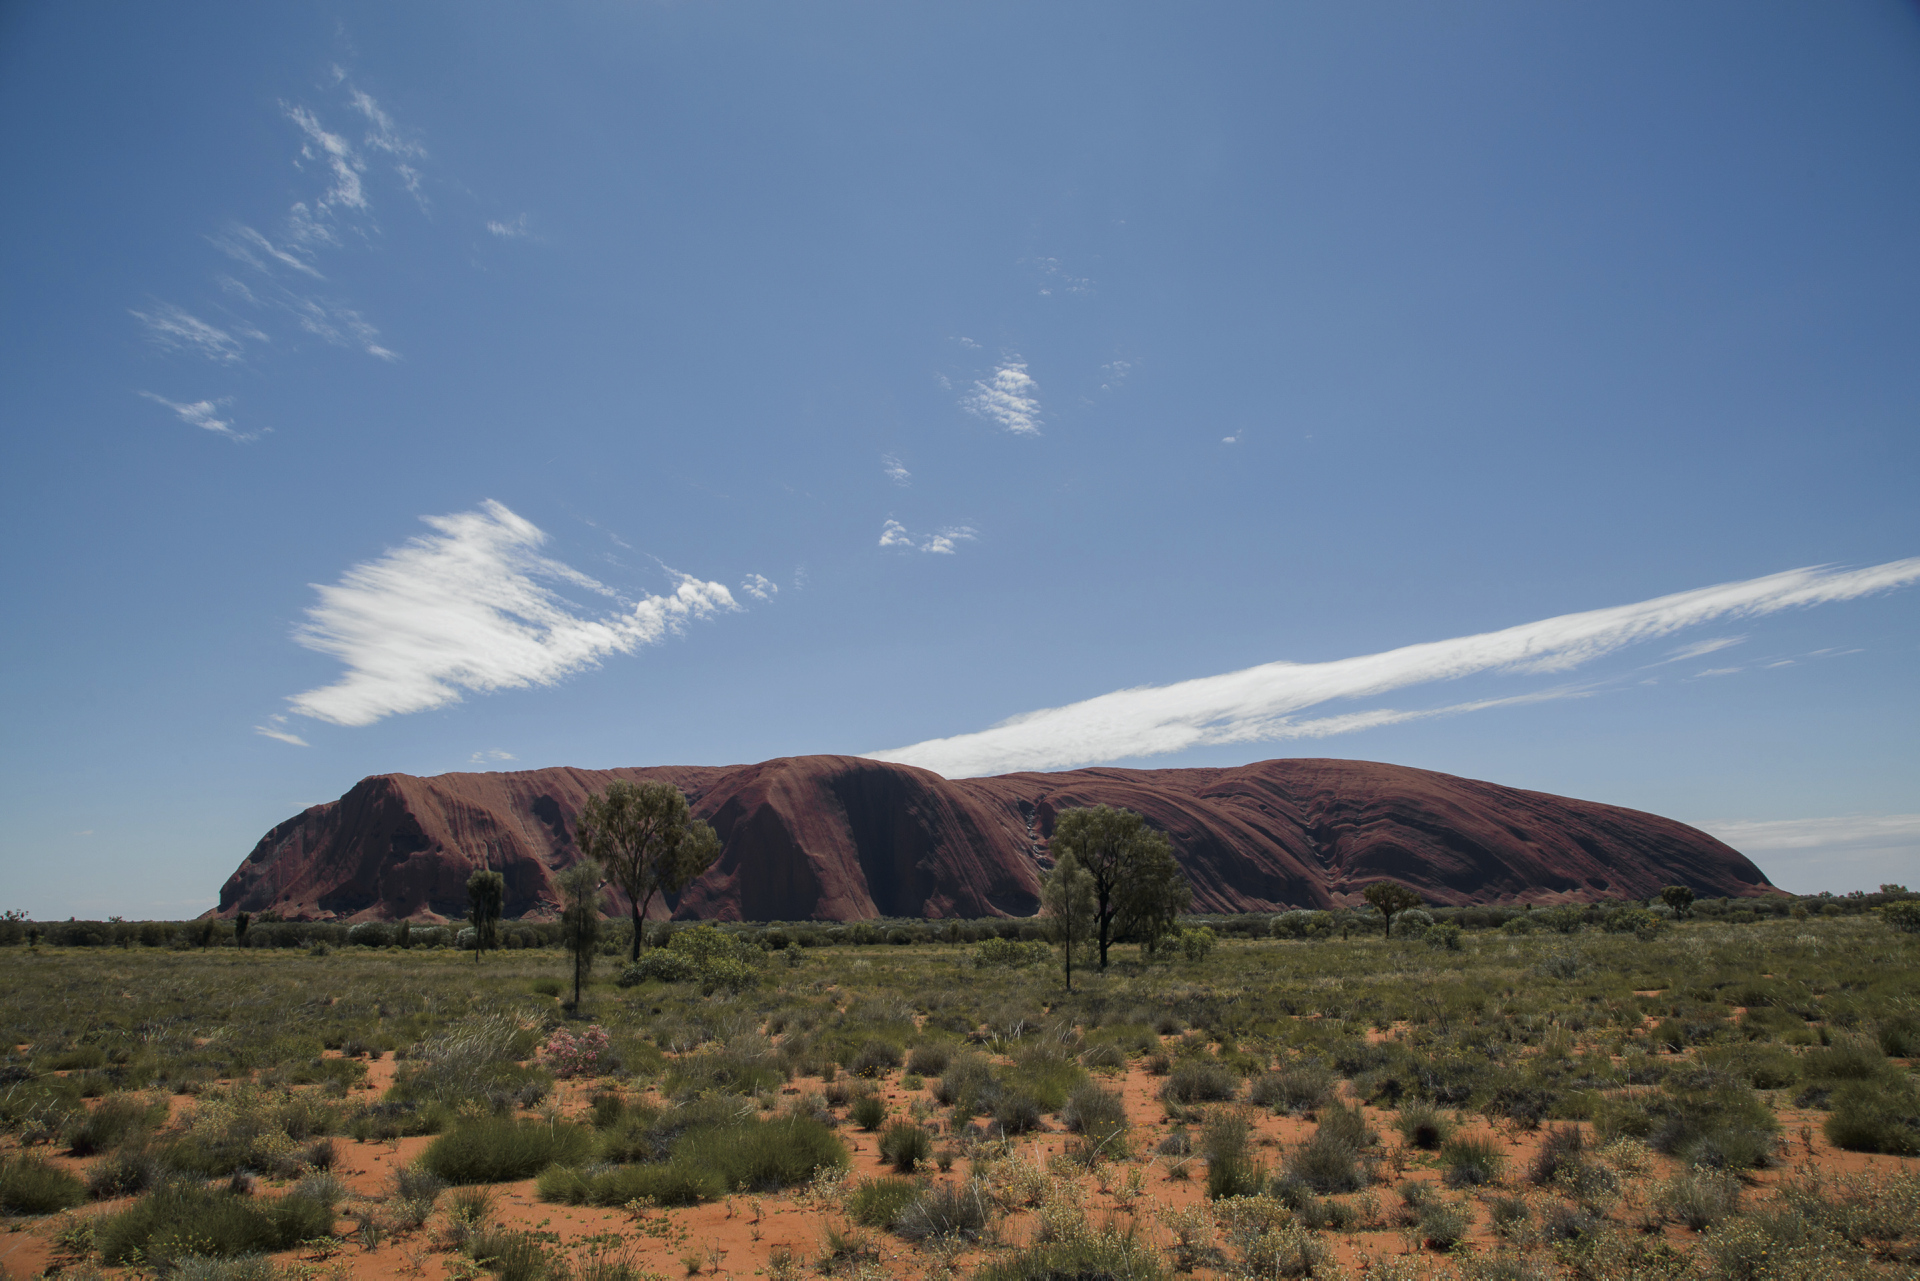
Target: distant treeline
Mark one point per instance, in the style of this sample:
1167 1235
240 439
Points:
16 930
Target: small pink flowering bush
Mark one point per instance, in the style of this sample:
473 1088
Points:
568 1055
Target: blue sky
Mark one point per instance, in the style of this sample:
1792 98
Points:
442 387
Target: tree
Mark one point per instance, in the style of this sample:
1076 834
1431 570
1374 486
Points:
1153 893
240 924
1137 884
580 899
1069 897
486 896
1679 898
1390 898
644 837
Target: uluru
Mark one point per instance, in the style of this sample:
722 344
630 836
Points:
847 838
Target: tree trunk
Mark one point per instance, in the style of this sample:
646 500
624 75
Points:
640 920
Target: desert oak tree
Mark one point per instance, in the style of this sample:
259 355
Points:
646 840
486 898
1068 897
1138 887
1390 898
580 898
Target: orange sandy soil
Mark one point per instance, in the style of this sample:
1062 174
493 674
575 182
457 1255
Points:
736 1237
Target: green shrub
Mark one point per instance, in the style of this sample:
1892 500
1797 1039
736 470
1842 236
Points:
123 1172
1444 937
1326 1163
1903 916
1562 1148
1192 1082
968 1084
1847 1059
1292 1089
1764 1067
905 1145
1196 944
180 1219
1875 1117
1422 1125
876 1203
709 1158
1699 1199
874 1059
1232 1170
501 1149
1083 1256
1900 1037
513 1256
723 1072
117 1119
670 1183
1472 1160
1095 1112
868 1111
1443 1225
1010 953
1047 1076
929 1058
945 1210
31 1184
1721 1127
1016 1112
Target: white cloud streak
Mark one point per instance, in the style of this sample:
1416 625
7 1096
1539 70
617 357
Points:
381 133
895 470
178 330
1850 831
338 155
1261 703
1700 649
204 414
1808 855
1009 398
243 244
518 229
469 608
944 543
276 728
760 587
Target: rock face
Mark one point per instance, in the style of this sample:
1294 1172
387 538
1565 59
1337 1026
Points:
845 838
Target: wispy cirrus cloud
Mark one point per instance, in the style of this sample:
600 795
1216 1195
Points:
285 263
1699 649
1010 398
473 607
276 728
487 758
204 414
337 154
1263 703
944 543
760 587
518 229
894 470
180 330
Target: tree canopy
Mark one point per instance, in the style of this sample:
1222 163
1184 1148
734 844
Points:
486 899
580 898
648 842
1138 887
1068 898
1390 898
